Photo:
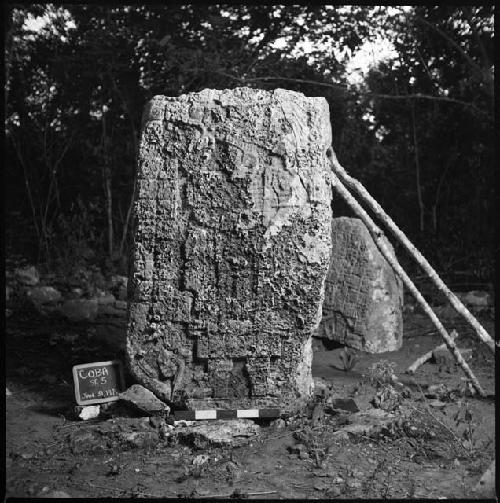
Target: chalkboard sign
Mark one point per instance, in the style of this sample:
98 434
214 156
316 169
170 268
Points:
98 382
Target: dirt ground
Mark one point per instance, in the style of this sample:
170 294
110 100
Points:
436 449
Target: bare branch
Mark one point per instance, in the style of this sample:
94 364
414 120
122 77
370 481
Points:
354 184
377 234
485 74
427 356
346 87
27 183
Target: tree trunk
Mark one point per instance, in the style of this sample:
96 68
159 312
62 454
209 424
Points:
417 171
109 208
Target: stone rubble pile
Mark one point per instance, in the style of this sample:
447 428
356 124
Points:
76 300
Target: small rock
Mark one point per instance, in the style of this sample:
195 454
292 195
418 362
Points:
320 386
303 454
437 404
113 470
437 391
119 409
233 472
88 412
55 494
183 423
333 492
27 275
7 392
201 459
80 309
145 401
166 431
157 421
279 423
367 422
119 286
219 432
321 473
140 439
343 404
75 293
40 295
341 435
355 484
117 280
85 441
296 449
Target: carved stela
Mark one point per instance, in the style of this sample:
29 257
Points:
231 249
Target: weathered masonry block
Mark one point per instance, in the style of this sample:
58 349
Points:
363 296
232 246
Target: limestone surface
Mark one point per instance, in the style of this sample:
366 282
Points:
218 433
232 246
363 295
144 400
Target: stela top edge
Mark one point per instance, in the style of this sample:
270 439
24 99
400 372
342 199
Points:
155 108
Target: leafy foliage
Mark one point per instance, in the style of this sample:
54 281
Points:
76 88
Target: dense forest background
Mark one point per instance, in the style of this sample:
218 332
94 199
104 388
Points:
417 129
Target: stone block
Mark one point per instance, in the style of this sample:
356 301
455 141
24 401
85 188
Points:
27 275
232 244
363 295
218 433
144 400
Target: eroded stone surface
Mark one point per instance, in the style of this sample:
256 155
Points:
363 295
144 400
225 432
232 246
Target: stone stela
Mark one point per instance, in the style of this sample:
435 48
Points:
232 245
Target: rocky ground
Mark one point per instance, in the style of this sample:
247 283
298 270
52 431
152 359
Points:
421 436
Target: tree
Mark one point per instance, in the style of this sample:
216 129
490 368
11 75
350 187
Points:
77 87
445 137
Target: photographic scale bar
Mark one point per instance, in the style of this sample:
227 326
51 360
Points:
194 415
